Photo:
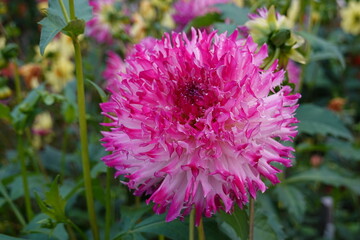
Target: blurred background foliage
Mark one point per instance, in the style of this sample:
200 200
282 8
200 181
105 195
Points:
318 197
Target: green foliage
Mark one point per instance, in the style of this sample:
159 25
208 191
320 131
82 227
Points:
55 21
317 120
238 220
323 49
326 176
292 199
53 205
134 226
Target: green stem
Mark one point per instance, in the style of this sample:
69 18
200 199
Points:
108 204
201 232
84 139
272 60
191 225
72 9
63 9
21 156
251 218
17 83
13 207
63 155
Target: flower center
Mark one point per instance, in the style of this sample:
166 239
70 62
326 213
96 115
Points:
193 98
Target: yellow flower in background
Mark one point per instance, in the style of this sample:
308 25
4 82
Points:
61 72
147 11
57 66
167 20
42 129
239 3
351 18
138 28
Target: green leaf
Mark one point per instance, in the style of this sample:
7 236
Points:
292 199
51 26
23 114
132 227
262 229
238 221
203 21
5 237
267 209
55 21
344 149
53 205
4 112
223 27
37 229
69 107
100 167
317 120
326 176
238 15
100 91
323 49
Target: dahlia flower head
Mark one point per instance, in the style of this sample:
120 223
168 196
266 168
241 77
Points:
107 21
196 123
186 10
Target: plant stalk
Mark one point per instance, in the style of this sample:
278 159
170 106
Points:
251 218
108 204
63 9
192 225
72 9
13 207
201 232
21 156
84 139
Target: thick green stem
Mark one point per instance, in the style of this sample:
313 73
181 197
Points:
251 219
192 225
63 9
12 205
21 156
108 204
84 139
72 9
201 232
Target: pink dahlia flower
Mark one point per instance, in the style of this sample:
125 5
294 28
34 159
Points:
114 65
195 122
186 10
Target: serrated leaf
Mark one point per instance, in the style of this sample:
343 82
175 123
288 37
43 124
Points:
292 199
54 204
238 15
345 149
262 229
323 49
156 224
326 176
238 221
51 26
317 120
266 206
